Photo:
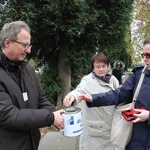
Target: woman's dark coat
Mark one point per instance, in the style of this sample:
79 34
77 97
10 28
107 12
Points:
117 71
140 139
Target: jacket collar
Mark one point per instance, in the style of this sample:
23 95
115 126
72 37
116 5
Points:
105 79
9 65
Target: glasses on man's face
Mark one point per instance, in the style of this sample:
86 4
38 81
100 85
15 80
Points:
147 55
24 45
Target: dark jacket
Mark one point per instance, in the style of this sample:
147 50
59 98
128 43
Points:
21 116
140 139
117 71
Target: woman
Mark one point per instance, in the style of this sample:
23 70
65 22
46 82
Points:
140 139
118 70
96 121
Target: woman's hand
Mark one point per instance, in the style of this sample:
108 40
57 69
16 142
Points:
142 116
86 97
68 100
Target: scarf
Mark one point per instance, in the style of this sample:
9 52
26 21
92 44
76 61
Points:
105 79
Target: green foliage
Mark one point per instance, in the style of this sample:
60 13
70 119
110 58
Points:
114 32
51 83
142 15
141 30
84 27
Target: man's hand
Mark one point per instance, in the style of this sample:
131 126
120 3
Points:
58 119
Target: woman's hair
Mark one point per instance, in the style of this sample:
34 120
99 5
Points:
118 62
11 30
100 57
146 41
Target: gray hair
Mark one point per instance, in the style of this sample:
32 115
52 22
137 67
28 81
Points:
11 30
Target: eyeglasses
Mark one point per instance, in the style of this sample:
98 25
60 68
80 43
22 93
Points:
147 55
24 45
100 67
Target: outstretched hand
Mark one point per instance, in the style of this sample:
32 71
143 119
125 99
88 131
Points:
86 97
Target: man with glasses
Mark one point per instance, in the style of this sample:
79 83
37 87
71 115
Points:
23 106
25 45
140 139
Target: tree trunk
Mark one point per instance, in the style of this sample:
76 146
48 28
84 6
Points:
65 76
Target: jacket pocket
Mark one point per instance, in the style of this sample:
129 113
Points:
98 129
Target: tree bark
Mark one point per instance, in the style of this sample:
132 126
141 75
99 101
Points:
65 77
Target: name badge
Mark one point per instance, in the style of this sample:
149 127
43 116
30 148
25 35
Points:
25 96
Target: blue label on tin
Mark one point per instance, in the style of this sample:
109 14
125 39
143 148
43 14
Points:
70 120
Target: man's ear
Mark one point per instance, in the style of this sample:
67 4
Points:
7 43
